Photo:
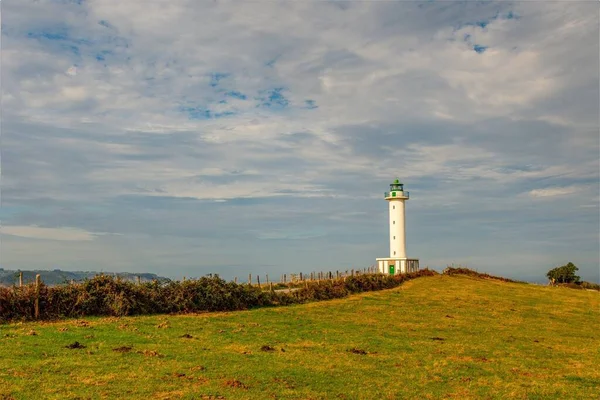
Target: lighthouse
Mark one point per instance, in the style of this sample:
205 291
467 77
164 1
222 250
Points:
397 262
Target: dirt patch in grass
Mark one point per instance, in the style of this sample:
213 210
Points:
440 339
187 336
234 383
163 325
354 350
123 349
151 353
31 333
75 345
267 348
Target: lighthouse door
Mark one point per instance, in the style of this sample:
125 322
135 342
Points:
392 269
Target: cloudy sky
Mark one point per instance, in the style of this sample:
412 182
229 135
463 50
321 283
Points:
191 137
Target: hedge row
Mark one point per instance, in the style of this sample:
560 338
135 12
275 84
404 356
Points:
107 296
580 285
470 272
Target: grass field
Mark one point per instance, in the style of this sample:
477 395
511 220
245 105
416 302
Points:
434 337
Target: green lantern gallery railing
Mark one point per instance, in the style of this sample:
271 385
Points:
396 194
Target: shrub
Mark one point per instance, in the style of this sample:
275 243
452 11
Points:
580 285
470 272
590 285
564 274
109 296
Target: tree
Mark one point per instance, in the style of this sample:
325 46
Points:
564 274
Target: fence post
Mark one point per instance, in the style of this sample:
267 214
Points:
258 280
271 287
267 279
20 278
37 296
250 279
301 277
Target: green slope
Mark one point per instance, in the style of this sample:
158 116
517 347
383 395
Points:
435 337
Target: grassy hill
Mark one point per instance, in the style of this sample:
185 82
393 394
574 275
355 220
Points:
434 337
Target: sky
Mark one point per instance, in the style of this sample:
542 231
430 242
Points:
194 137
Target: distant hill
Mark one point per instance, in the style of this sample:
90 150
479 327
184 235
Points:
58 277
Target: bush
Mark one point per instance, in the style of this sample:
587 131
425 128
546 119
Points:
564 274
470 272
109 296
590 285
580 285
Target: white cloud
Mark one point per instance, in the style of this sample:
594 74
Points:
554 191
61 234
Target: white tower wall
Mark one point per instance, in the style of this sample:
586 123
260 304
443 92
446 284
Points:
397 228
397 263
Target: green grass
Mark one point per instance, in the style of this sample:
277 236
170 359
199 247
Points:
500 341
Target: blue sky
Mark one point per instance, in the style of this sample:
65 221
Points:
188 138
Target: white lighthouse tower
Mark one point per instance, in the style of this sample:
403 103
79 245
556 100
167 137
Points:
397 262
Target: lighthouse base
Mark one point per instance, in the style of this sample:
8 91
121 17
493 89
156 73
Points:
393 266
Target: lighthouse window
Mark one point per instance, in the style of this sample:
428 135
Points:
394 237
394 253
394 222
394 207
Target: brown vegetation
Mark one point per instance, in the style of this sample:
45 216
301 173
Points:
107 296
470 272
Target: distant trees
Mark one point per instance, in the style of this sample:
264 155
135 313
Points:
564 274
